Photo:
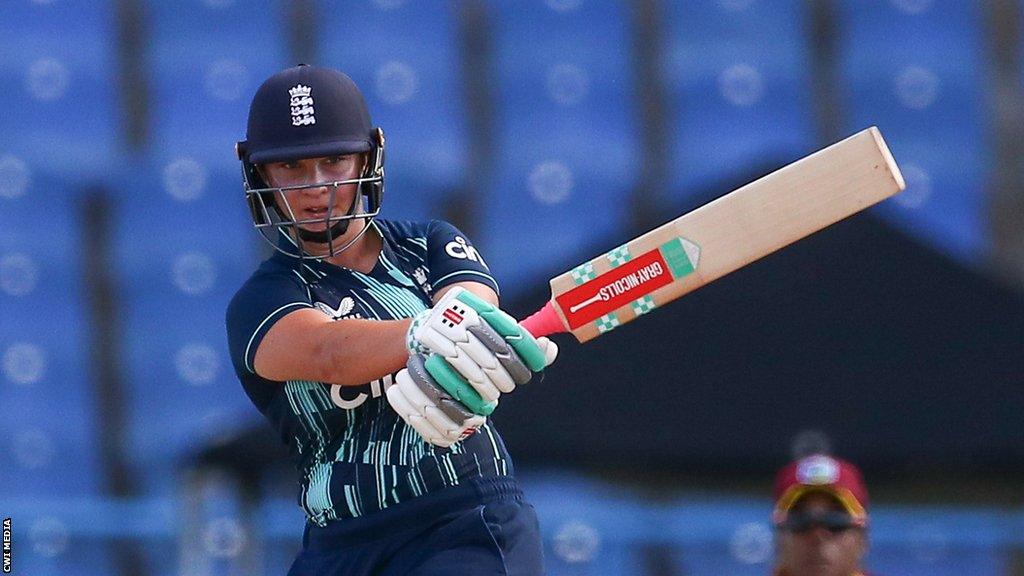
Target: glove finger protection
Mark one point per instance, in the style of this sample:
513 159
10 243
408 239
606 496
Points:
428 408
550 350
419 375
524 344
480 346
457 386
515 371
411 415
455 331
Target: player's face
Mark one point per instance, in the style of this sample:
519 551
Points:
822 549
316 203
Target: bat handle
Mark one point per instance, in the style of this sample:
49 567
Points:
544 322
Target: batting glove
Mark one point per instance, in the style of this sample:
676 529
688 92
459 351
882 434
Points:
425 406
476 344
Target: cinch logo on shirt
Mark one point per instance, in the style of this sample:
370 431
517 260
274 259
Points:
377 388
460 249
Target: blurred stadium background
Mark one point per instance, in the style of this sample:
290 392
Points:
548 130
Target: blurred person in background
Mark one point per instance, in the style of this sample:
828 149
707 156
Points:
820 518
376 349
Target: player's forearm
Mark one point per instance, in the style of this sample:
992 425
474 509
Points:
305 345
354 352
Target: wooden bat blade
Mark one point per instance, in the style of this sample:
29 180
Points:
720 237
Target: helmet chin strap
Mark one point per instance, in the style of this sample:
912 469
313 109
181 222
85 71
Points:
334 232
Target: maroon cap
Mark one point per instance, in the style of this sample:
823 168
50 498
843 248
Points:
821 473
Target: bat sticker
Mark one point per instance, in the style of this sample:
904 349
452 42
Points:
632 279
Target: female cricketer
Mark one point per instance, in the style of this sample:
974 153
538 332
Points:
376 349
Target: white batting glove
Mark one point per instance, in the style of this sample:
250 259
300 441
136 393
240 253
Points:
425 406
483 344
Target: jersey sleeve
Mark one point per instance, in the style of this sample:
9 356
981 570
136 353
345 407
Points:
452 258
261 302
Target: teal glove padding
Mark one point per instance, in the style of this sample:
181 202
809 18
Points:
476 351
425 406
457 386
521 340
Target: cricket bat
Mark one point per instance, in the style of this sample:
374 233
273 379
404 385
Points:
722 236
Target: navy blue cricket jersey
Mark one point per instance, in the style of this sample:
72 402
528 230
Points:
355 455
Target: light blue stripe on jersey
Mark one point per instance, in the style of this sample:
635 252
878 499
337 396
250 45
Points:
420 258
379 296
398 301
352 499
499 463
452 474
445 471
420 241
318 494
308 401
388 304
401 278
343 448
396 273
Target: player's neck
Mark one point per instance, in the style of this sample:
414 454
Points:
362 255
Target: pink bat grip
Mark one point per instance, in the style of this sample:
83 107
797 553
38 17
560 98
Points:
543 322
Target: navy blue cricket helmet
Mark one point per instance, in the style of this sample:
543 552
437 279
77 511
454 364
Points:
309 112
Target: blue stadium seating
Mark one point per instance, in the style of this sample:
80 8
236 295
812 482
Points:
48 545
935 558
715 558
567 148
941 556
737 85
708 535
48 416
404 55
58 66
183 238
717 536
940 540
597 531
917 70
206 58
178 260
